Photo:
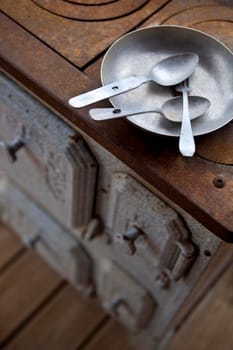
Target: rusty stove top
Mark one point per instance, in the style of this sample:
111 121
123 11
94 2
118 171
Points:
54 48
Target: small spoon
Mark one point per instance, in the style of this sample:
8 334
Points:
171 110
170 71
186 142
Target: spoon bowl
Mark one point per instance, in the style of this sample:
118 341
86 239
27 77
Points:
173 108
174 69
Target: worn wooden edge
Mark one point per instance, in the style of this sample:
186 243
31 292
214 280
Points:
218 297
53 80
11 247
220 262
109 334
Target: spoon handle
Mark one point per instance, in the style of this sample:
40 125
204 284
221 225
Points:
107 91
113 113
186 141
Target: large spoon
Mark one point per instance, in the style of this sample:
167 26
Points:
170 71
171 110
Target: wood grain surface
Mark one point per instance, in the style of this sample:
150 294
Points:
112 336
10 246
38 310
210 325
22 288
64 324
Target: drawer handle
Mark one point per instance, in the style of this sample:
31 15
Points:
127 240
112 306
182 249
33 240
186 257
119 308
14 146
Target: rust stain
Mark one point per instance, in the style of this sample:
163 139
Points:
66 36
217 146
104 11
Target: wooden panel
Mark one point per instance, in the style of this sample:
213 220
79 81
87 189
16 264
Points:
9 245
23 287
112 336
210 325
62 325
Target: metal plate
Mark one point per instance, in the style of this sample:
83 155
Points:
137 52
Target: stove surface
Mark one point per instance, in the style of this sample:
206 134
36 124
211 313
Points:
79 30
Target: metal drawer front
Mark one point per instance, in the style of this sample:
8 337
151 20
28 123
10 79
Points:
146 227
123 297
43 234
39 152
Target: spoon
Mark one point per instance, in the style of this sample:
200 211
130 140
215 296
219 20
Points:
170 71
186 141
171 110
